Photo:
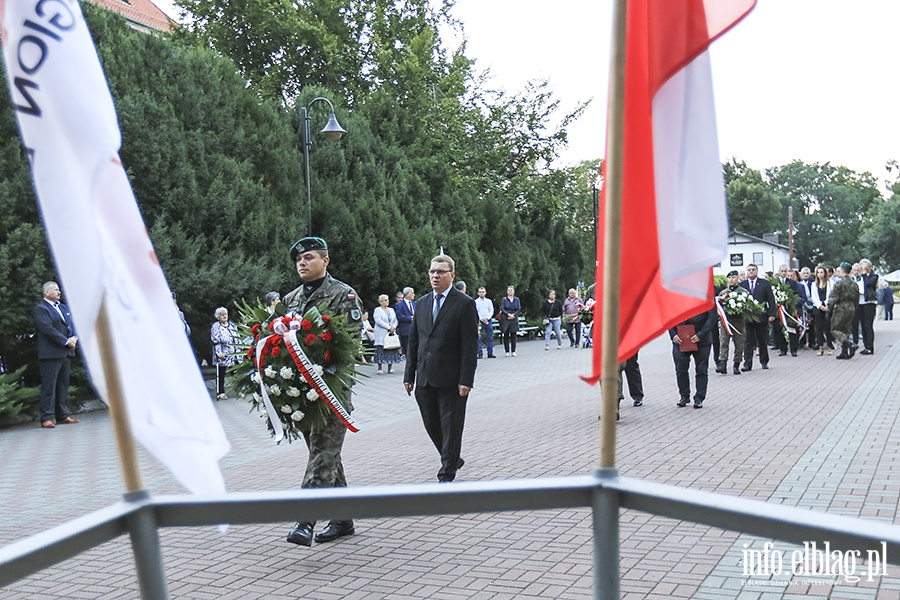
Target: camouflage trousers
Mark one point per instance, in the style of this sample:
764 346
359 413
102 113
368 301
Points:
726 340
841 322
324 468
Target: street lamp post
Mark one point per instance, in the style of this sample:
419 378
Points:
332 131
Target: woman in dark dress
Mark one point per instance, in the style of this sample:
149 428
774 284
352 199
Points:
510 308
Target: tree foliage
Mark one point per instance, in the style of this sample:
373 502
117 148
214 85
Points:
753 206
831 205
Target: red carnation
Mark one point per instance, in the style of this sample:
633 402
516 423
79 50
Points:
310 339
254 329
326 318
326 337
250 353
276 351
271 326
327 356
306 324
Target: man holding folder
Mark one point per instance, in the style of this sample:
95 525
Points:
692 338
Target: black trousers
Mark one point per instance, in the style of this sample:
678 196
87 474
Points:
701 371
443 413
866 314
633 377
221 371
757 334
823 330
54 388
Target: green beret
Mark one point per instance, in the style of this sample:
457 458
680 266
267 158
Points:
732 274
846 266
306 244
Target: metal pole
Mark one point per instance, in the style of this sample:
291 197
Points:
304 127
791 236
612 249
144 533
142 528
606 537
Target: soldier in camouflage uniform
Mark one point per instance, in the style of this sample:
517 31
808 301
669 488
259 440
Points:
737 322
844 299
324 469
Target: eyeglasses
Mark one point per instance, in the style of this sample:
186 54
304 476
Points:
436 272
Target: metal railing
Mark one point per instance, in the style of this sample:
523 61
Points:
140 515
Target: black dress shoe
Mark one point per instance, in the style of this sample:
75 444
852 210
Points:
682 403
782 353
698 403
460 464
638 402
765 367
737 370
867 352
853 348
746 368
334 530
794 354
302 534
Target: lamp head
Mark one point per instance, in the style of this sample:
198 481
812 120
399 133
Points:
333 131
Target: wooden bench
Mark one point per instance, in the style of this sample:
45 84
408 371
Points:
525 330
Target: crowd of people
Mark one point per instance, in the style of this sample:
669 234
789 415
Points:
441 335
828 310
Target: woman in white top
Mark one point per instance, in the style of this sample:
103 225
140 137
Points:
820 295
385 322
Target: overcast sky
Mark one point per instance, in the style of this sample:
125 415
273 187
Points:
814 80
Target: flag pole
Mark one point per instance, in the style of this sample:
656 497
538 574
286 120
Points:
612 234
124 440
142 526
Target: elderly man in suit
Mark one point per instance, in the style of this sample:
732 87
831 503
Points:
441 361
55 349
756 333
405 309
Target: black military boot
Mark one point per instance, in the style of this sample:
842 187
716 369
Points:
852 350
302 534
844 355
334 530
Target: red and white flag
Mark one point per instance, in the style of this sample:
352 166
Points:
674 221
100 245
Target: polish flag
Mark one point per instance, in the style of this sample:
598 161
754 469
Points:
674 221
100 245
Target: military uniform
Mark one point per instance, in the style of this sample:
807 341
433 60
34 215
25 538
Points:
737 322
324 442
845 297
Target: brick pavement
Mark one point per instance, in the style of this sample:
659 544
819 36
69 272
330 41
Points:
811 431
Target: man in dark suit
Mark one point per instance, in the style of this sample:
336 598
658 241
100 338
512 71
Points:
440 362
55 349
793 338
405 309
756 333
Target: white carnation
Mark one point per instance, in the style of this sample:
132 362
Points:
297 415
270 372
254 377
318 369
286 373
292 392
286 408
256 397
274 390
312 395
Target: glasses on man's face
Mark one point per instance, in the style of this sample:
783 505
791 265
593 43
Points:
437 272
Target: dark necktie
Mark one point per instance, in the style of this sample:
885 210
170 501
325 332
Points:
437 307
